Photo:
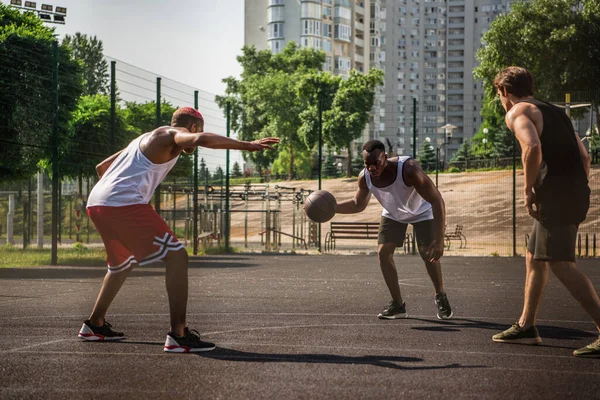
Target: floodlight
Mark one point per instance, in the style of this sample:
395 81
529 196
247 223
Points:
30 4
47 7
59 19
45 17
16 3
61 10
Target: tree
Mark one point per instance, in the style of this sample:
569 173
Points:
264 101
557 40
89 51
26 109
349 113
346 104
219 175
90 139
303 164
236 171
358 164
464 153
427 157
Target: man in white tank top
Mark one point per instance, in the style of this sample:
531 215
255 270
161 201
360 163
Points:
133 233
408 196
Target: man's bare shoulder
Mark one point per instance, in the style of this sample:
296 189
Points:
522 110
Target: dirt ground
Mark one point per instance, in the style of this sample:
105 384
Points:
482 202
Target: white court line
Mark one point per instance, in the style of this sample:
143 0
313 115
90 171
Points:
20 349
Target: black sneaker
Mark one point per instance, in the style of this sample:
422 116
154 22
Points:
102 333
444 311
516 334
188 343
394 311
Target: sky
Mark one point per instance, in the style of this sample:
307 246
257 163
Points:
194 42
190 41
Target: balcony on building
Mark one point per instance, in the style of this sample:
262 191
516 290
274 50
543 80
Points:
359 8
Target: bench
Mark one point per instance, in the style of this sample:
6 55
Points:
359 231
205 238
456 235
350 230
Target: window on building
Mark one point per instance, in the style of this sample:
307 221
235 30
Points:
276 30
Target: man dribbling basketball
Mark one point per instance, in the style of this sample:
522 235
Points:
408 196
133 233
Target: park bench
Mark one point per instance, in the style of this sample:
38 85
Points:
358 231
456 235
205 238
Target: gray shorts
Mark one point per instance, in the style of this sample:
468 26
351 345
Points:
391 231
553 242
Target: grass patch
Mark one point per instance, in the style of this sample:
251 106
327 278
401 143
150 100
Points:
78 255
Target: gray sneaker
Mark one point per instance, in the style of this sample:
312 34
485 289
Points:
444 311
516 334
394 311
591 350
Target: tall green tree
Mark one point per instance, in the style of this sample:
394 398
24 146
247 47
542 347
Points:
349 113
90 137
464 153
236 171
557 40
346 104
89 51
26 111
427 157
264 101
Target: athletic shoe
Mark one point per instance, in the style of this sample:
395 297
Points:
516 334
444 311
102 333
591 350
394 311
188 343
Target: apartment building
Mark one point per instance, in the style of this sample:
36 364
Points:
425 47
427 50
335 26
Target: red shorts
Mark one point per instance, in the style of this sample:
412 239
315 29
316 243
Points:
132 234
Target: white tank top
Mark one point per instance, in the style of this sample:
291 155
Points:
130 179
400 202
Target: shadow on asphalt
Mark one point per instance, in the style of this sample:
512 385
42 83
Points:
546 331
379 361
68 273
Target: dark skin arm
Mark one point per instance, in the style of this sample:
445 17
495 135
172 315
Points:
416 177
360 200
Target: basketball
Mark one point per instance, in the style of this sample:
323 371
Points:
320 206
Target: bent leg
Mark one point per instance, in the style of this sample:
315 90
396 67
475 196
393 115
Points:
110 287
434 269
580 287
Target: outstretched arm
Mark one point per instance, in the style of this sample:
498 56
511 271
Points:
360 200
104 165
185 139
416 177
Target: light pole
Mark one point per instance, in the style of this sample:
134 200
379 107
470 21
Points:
47 13
447 135
437 159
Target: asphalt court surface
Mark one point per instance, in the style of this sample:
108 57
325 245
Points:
295 327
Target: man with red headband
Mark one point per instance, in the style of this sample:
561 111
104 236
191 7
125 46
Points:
133 233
